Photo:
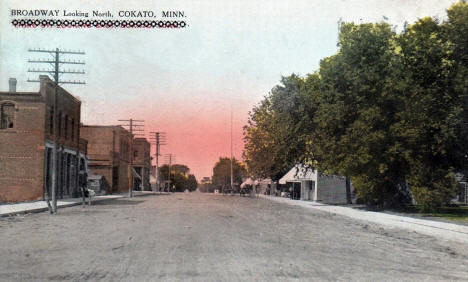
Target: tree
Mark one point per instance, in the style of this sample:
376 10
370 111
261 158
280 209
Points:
192 183
222 172
180 177
261 148
455 30
393 109
276 136
357 109
180 168
432 124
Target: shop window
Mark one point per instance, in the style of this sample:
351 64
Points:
7 112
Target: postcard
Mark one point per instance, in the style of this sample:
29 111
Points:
261 140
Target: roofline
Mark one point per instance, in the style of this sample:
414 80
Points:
107 126
19 93
50 81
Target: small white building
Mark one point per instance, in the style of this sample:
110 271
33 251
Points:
314 186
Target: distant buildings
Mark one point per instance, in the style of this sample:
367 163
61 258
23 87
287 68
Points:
27 121
205 180
266 186
109 154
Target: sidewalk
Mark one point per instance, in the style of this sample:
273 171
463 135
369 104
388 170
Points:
442 230
40 206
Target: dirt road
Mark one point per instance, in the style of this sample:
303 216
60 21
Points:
201 237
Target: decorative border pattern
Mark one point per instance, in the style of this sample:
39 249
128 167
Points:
58 23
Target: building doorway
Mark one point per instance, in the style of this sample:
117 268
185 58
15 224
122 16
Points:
48 172
311 188
296 191
115 179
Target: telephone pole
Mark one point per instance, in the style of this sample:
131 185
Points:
56 62
134 125
159 139
169 158
232 177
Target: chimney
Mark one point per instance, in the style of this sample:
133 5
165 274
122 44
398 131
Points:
43 81
12 83
42 78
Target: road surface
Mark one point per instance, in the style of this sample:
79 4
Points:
206 237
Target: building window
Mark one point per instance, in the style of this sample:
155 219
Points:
66 126
72 129
59 126
51 122
124 150
7 112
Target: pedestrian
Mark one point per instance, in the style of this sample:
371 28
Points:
83 183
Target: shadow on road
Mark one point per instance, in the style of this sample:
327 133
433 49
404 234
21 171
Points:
118 202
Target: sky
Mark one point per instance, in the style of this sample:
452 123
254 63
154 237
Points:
186 82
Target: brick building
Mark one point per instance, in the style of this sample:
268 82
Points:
109 154
27 121
142 164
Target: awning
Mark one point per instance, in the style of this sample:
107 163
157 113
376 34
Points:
248 181
296 174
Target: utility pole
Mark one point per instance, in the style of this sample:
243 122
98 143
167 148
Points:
159 139
232 177
169 172
169 158
56 71
134 125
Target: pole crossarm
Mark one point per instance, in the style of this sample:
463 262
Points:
52 71
133 128
60 82
71 82
59 51
60 62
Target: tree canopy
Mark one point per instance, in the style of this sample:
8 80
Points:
222 172
180 177
388 110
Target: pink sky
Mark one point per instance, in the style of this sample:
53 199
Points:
198 133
